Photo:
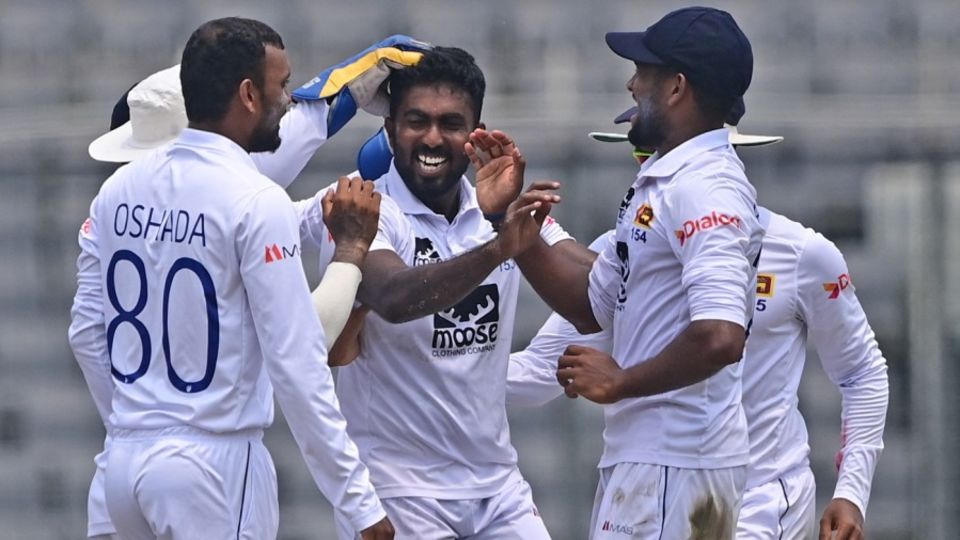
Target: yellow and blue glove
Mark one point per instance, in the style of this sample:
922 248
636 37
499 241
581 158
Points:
361 80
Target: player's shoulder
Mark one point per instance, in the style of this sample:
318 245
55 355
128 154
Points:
817 254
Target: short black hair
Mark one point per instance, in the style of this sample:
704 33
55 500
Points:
440 65
218 56
714 107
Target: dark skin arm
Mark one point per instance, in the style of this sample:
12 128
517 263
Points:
560 276
401 293
347 347
700 351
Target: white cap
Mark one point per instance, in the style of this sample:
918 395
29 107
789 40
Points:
157 116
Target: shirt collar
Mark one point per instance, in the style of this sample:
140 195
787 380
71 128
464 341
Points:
198 138
668 165
397 189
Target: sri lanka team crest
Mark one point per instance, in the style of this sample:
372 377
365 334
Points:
765 284
644 217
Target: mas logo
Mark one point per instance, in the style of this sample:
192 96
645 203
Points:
616 528
765 284
274 253
835 288
644 216
713 220
425 253
470 326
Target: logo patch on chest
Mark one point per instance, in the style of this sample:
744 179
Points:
425 252
470 326
765 284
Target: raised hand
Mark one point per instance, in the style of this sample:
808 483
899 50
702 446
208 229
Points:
499 169
587 372
524 217
381 530
351 213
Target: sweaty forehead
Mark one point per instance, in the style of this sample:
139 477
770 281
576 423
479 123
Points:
437 99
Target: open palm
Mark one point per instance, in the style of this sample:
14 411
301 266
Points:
499 169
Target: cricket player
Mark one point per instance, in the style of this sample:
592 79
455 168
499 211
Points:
183 236
152 113
804 296
676 286
425 398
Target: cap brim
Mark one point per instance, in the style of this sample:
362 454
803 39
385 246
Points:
118 146
630 46
743 139
608 137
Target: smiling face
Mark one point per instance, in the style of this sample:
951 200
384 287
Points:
428 132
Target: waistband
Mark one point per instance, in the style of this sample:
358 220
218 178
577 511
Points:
187 432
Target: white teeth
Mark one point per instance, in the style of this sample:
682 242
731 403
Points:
431 161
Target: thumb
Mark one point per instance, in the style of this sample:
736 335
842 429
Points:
826 527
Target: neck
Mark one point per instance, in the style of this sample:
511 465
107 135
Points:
224 128
446 204
687 130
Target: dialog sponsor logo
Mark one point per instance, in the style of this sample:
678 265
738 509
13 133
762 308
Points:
835 288
711 221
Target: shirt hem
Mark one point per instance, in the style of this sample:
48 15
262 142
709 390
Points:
477 492
675 460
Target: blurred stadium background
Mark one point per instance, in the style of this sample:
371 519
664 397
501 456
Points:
867 93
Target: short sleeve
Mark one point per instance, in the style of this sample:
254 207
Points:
716 236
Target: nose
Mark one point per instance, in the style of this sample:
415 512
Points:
433 137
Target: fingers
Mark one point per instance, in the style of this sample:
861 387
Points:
826 528
326 203
544 185
473 156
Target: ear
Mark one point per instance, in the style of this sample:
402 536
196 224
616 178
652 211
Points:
678 88
389 125
249 95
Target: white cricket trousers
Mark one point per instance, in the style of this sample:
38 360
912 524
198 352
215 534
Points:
783 509
508 515
654 502
183 483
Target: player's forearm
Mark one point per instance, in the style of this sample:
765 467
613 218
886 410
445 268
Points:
561 277
700 351
334 296
864 417
418 291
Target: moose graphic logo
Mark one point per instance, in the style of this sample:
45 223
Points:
472 321
425 252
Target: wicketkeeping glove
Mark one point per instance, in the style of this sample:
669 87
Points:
361 80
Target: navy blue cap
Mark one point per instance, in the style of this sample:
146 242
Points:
705 44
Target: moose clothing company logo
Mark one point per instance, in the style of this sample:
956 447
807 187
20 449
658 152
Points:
470 326
425 252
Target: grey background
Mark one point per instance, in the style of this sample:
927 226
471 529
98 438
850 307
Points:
866 93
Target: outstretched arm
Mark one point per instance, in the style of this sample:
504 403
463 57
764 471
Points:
400 293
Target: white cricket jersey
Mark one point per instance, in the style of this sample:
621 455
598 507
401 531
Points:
196 302
687 241
425 399
804 293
